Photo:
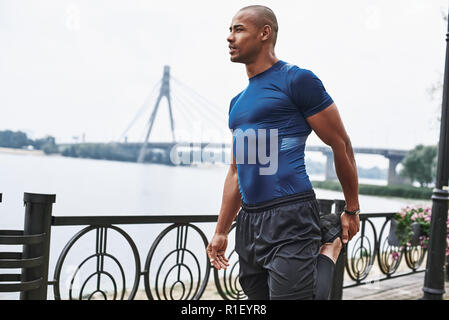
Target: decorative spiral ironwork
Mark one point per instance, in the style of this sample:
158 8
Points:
414 256
362 257
100 255
228 284
188 290
389 256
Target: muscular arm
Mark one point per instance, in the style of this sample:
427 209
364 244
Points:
231 200
328 126
230 205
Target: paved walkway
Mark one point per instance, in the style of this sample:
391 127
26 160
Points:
402 288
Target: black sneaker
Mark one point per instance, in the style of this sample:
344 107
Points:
330 226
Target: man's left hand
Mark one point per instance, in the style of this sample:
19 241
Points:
350 225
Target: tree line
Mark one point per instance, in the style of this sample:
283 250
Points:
20 140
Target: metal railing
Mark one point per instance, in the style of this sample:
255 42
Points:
172 268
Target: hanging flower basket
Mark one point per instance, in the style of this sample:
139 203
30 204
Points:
400 238
410 227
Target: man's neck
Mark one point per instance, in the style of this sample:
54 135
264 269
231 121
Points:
260 65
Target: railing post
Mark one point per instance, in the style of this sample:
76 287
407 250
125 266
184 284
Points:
339 272
38 209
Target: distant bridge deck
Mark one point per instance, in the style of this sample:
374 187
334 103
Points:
394 156
167 145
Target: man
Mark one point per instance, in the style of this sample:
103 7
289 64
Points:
286 250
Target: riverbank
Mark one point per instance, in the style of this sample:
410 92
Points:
400 191
22 151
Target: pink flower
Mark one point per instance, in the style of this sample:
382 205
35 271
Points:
395 255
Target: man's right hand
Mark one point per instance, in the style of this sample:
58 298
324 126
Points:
216 251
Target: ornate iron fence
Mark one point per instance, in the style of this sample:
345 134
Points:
172 269
364 253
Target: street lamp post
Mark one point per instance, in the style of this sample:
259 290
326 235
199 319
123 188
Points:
434 279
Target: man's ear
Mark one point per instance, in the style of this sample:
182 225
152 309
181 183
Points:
266 32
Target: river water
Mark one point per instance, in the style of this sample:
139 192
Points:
96 187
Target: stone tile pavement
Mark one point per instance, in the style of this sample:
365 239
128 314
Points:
403 288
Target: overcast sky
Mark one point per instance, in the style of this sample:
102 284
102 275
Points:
74 67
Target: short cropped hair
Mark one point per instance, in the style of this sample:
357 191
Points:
265 16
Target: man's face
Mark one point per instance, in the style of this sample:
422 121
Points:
244 38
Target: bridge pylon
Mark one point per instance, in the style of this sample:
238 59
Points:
164 92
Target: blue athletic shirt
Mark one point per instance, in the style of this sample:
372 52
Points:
281 98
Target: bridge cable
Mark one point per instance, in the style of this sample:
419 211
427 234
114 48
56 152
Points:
183 104
179 106
210 105
194 104
140 111
215 113
193 116
215 120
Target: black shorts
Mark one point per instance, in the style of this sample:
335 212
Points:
278 244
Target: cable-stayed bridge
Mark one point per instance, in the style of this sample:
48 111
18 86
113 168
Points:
192 109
